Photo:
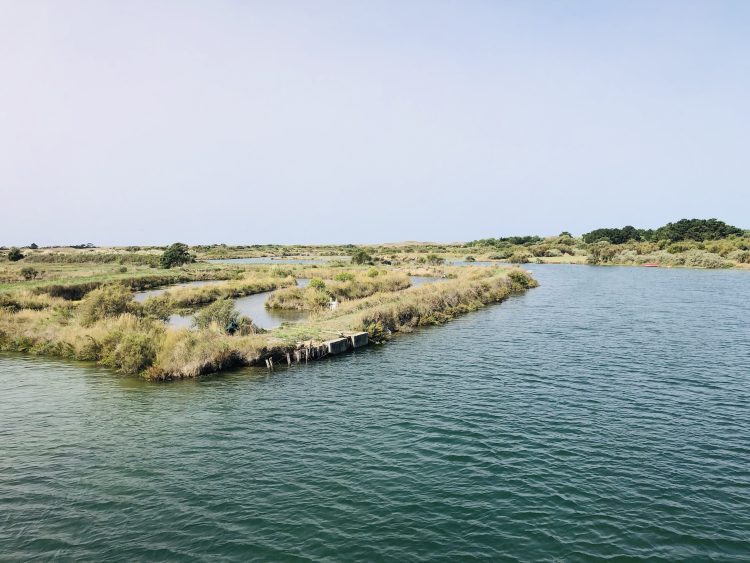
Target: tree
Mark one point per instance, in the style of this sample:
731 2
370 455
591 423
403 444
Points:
33 246
176 254
14 255
360 256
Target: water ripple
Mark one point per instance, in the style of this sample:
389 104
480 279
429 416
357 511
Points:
603 415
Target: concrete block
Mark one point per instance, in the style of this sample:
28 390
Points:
359 339
338 346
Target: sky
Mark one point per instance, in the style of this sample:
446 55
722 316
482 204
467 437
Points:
149 122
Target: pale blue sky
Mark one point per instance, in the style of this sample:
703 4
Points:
355 121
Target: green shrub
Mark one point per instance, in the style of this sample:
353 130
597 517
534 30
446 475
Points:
702 259
361 256
158 307
344 277
520 257
372 272
317 283
29 273
132 352
223 315
176 254
740 256
600 252
14 254
316 299
470 259
105 301
520 280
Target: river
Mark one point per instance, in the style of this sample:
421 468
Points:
605 413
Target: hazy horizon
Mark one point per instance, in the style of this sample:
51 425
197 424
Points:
289 122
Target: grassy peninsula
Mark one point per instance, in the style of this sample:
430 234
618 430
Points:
81 309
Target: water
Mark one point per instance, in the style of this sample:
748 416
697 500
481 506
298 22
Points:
605 413
254 306
416 281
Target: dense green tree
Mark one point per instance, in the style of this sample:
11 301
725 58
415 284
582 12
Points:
33 246
615 236
685 229
696 229
176 254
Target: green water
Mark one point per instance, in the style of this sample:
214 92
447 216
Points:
604 414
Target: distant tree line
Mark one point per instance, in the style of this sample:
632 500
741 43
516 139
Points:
683 230
504 241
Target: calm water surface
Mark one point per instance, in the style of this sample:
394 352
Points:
605 413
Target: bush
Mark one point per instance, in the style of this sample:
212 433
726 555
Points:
122 269
361 256
29 273
434 259
223 315
703 259
470 259
317 299
132 352
317 283
33 246
14 254
176 254
372 272
600 252
106 301
520 280
157 307
520 257
740 256
344 277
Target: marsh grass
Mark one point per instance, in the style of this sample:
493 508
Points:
344 286
109 328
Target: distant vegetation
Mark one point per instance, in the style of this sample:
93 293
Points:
694 243
686 229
